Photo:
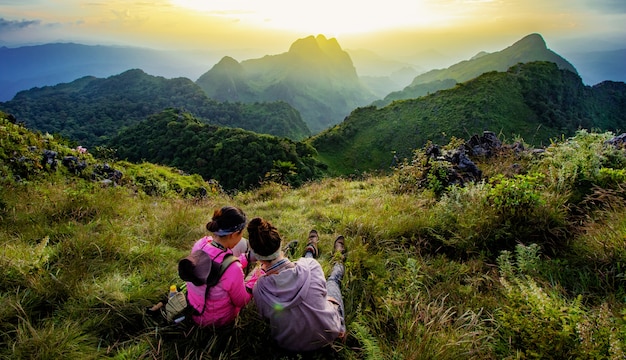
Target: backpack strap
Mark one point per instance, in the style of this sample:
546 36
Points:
228 260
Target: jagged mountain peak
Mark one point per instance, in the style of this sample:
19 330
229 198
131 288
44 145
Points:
315 76
533 47
328 45
530 48
311 45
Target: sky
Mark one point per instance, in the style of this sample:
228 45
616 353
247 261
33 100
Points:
395 28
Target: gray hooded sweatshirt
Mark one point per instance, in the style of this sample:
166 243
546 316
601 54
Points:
294 300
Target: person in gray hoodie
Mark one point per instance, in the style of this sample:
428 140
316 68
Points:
305 310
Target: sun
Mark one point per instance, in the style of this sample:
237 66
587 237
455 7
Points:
322 16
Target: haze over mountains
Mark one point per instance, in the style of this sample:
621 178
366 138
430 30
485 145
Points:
22 68
530 48
315 76
46 65
597 66
314 89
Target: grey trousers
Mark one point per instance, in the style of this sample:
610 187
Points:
333 288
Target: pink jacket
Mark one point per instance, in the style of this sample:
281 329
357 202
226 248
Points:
225 299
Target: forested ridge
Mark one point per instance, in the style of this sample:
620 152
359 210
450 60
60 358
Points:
536 101
530 48
236 158
92 110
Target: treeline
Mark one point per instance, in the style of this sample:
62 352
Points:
236 158
91 110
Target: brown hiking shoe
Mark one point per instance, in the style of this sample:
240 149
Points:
313 237
340 247
311 245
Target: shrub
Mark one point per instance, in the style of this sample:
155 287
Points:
575 164
567 329
428 172
516 198
529 308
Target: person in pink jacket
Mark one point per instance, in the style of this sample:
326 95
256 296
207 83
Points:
226 299
305 310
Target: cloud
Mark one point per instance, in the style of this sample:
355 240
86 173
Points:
11 25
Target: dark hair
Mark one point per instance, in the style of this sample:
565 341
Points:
228 217
263 237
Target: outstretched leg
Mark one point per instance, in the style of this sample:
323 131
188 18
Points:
333 283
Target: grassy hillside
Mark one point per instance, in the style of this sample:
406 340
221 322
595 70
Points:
535 101
528 263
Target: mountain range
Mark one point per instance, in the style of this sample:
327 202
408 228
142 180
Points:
91 110
25 67
315 76
530 48
535 100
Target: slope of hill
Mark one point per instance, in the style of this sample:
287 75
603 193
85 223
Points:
236 158
91 110
27 157
315 76
515 267
537 101
51 64
530 48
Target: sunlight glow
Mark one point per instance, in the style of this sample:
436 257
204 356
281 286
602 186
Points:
325 16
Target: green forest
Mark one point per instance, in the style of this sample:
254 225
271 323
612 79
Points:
535 101
235 158
139 117
91 110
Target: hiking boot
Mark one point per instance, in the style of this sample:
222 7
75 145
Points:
311 245
339 249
